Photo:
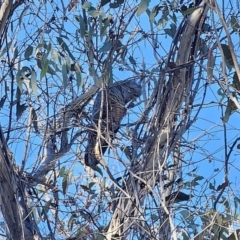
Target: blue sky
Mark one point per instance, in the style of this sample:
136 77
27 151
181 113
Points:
206 134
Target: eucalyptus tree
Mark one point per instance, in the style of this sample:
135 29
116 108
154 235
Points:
84 154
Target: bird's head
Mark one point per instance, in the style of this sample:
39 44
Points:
136 87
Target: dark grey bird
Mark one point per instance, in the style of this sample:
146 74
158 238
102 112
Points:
110 106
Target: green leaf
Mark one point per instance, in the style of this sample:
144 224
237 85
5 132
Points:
20 109
234 23
92 72
65 183
79 79
82 26
91 184
104 2
132 61
6 48
210 65
114 5
71 221
64 74
236 82
86 5
104 27
62 171
154 13
173 17
2 101
154 217
189 11
23 13
106 47
162 22
227 54
34 83
39 47
142 7
19 80
211 186
184 213
228 110
85 188
78 70
93 12
99 170
49 48
108 76
221 93
16 52
44 68
185 236
65 47
51 71
28 52
35 120
171 31
100 237
46 207
198 178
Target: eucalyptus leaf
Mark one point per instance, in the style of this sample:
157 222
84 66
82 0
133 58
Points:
82 26
210 65
34 83
236 82
78 71
2 101
104 2
19 80
35 120
44 69
62 171
93 12
234 23
171 31
114 5
189 11
142 7
228 111
79 79
64 75
23 13
65 47
20 108
132 61
28 52
65 183
86 5
104 27
154 13
106 47
16 52
227 54
71 221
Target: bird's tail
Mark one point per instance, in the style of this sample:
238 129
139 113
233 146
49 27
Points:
94 150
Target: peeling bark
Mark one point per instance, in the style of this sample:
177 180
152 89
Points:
8 192
4 14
